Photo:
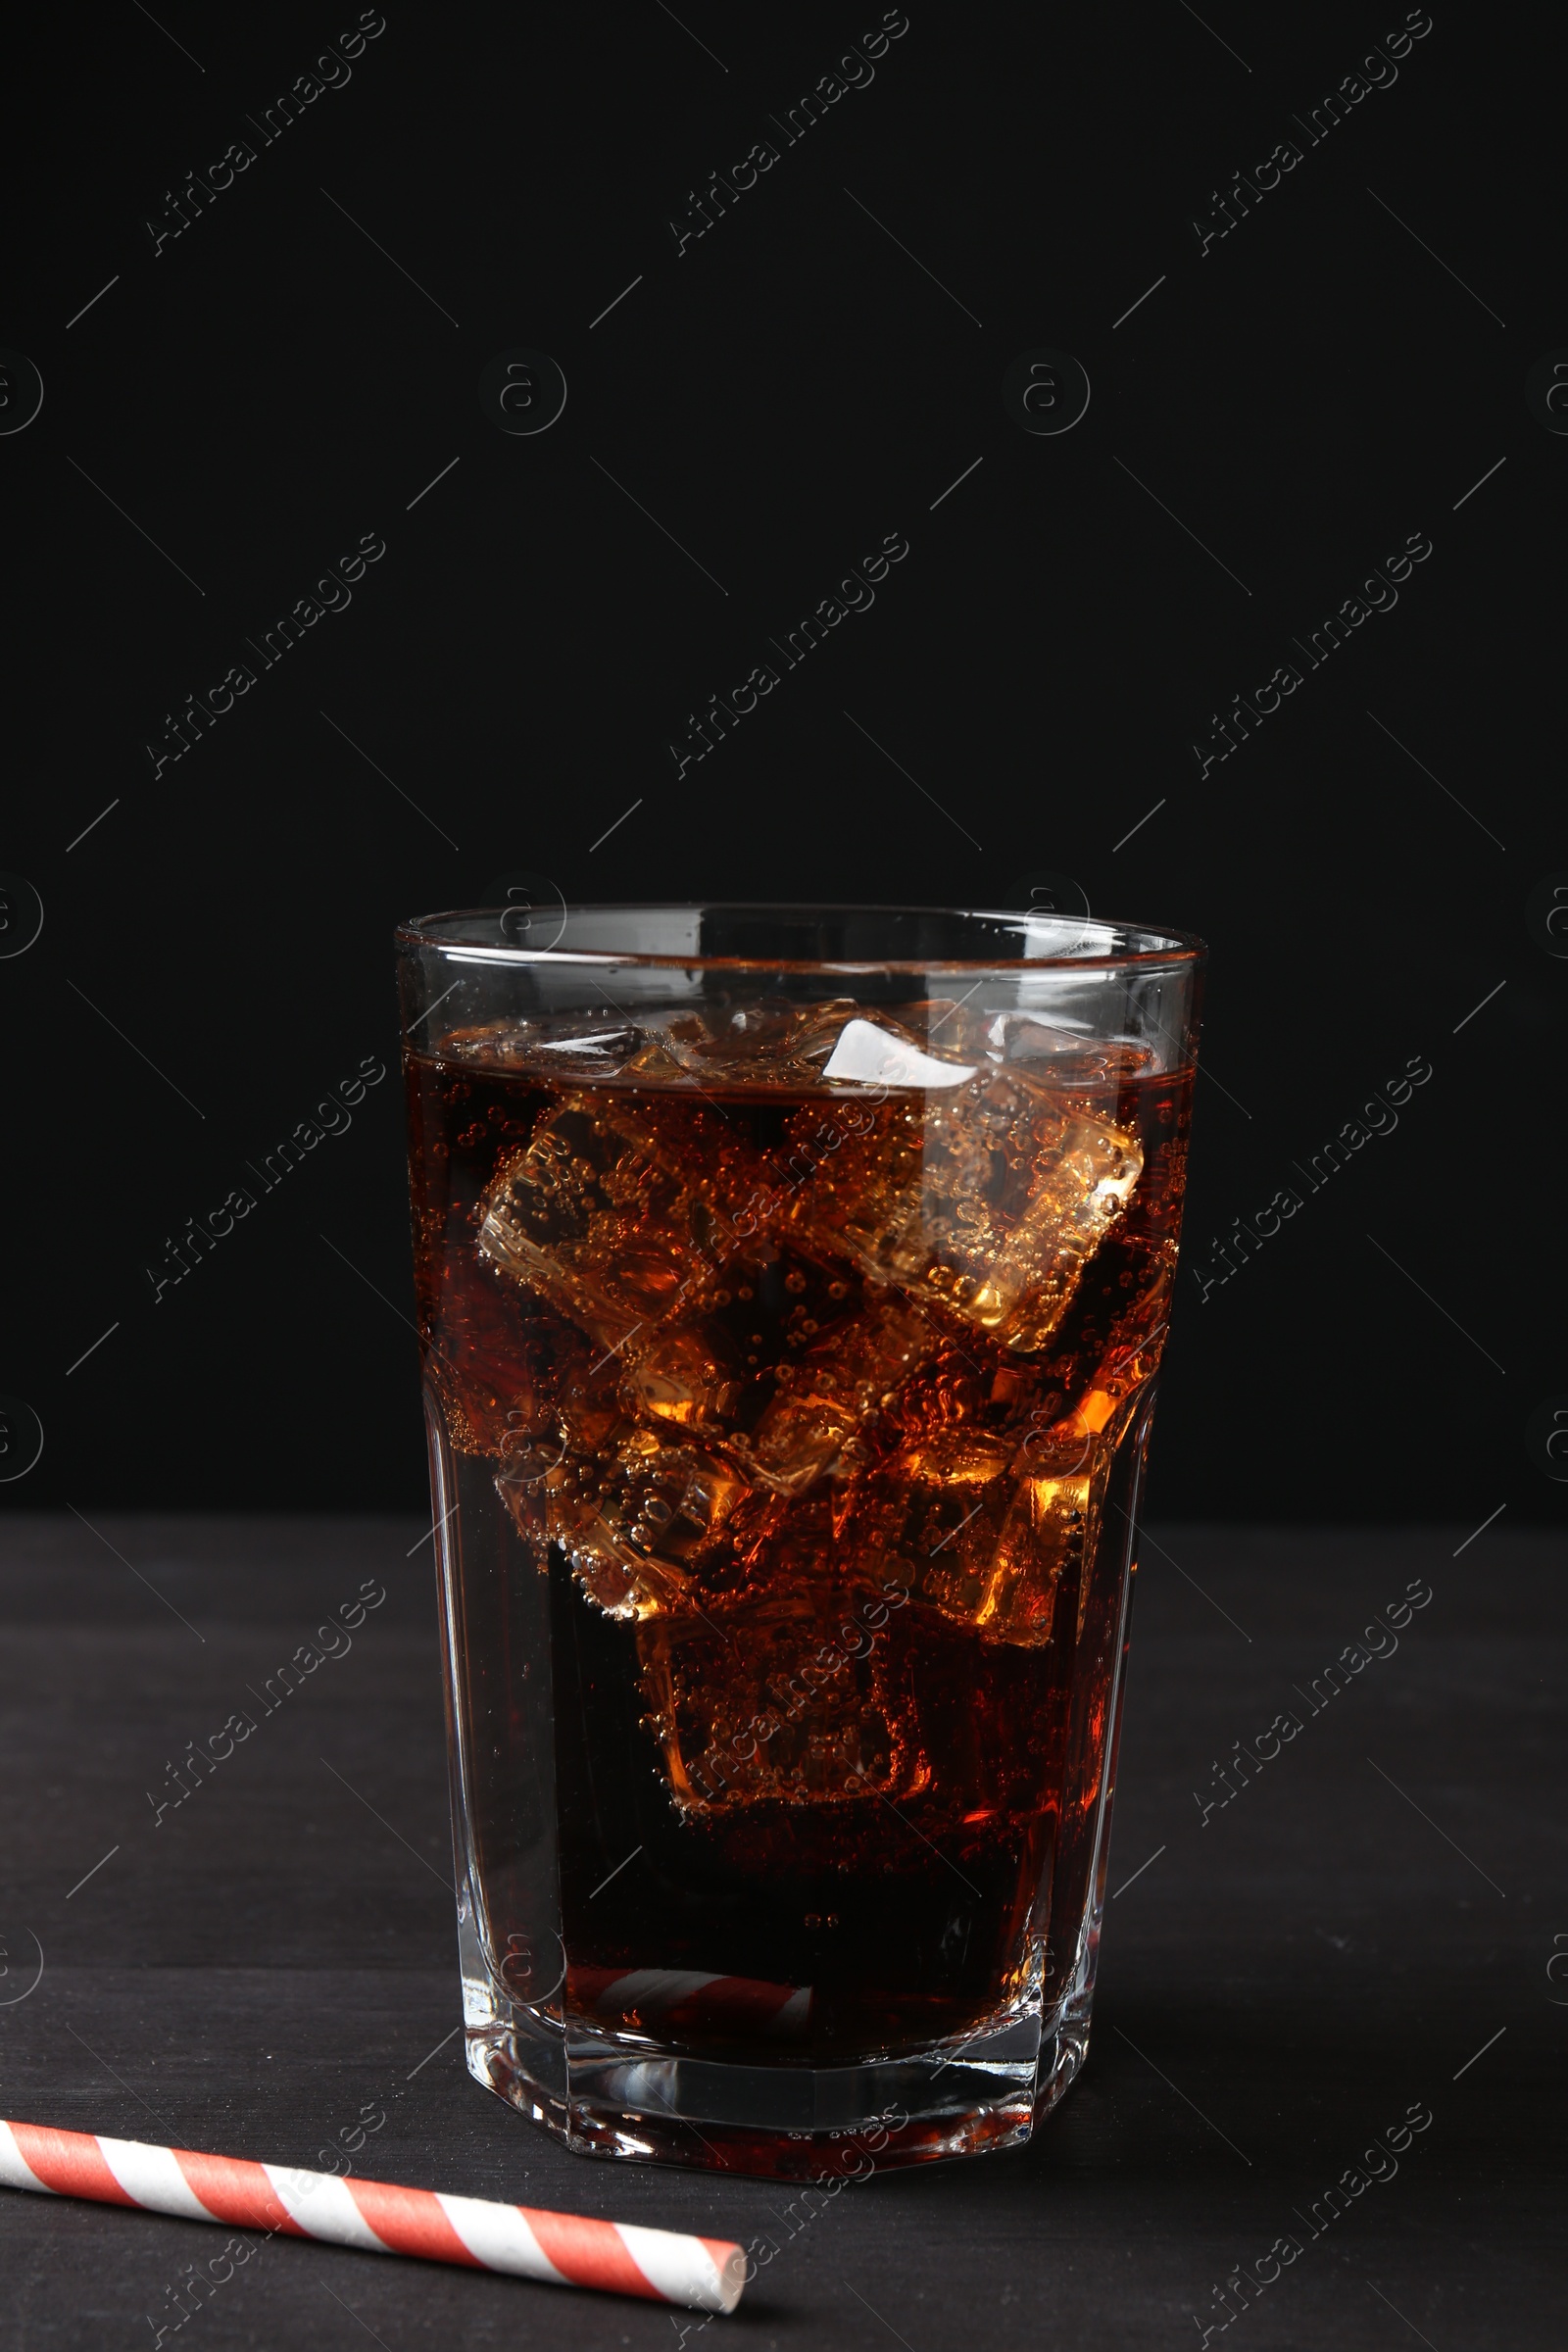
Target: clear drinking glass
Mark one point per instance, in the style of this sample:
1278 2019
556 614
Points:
791 1282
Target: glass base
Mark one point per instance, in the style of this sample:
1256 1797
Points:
610 2094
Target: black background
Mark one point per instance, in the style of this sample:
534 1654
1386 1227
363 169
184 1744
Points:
789 389
215 955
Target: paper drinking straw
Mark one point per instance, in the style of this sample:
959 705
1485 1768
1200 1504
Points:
562 2249
673 1997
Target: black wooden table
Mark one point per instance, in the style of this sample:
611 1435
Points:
1364 1927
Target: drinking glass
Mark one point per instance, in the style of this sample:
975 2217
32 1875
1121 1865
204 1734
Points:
791 1285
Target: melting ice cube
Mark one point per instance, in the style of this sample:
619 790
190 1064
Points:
785 1715
772 1041
639 1526
573 1046
983 1547
1080 1189
877 1056
990 1199
1064 1057
599 1220
828 1393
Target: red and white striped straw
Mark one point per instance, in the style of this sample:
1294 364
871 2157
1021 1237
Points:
676 1997
562 2249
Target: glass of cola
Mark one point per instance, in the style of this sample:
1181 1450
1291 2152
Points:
792 1287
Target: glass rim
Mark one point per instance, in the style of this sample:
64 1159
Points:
1158 946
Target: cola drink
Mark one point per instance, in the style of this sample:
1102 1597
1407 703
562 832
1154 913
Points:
789 1366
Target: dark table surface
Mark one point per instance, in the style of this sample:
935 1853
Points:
1369 1926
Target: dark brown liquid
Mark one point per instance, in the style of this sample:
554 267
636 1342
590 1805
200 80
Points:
794 1427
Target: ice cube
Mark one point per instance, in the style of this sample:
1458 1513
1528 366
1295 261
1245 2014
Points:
1045 1545
484 1352
568 1413
770 1042
683 1373
648 1527
1081 1185
598 1217
526 1459
777 1363
653 1063
833 1391
873 1056
984 1546
788 1716
1065 1057
930 1515
988 1200
1102 1410
564 1045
